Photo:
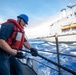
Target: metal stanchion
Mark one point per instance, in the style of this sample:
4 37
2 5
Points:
57 48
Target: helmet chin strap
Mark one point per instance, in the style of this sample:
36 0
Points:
19 22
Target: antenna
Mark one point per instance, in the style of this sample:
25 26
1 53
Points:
71 6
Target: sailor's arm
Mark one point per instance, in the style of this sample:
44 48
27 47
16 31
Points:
6 47
27 45
33 50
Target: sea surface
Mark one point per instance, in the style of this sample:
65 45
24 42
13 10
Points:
46 49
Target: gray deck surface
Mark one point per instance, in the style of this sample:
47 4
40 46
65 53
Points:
27 70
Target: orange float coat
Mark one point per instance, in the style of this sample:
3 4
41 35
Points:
16 40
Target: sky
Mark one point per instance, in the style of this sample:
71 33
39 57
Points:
41 13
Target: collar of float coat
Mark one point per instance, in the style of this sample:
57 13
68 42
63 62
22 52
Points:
14 22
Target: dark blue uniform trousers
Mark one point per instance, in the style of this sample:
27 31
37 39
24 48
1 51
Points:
9 65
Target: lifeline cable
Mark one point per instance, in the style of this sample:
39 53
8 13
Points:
74 73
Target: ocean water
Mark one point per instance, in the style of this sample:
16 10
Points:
66 61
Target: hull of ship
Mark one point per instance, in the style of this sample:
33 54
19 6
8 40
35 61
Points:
67 39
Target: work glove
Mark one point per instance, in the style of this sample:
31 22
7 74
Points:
34 52
20 55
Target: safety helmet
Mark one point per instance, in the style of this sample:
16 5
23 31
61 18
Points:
24 17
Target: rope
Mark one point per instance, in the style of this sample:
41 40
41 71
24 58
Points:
74 73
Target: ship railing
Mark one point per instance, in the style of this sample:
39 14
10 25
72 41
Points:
57 47
59 53
58 35
35 67
58 64
33 63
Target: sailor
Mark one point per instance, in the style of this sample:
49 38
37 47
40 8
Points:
12 38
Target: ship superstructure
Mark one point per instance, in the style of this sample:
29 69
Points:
65 27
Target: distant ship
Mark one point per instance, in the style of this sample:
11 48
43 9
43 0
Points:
65 27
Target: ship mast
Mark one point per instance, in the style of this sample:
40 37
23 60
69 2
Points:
71 6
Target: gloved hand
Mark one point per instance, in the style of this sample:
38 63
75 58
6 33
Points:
20 54
34 52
